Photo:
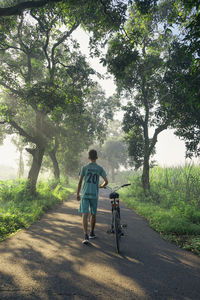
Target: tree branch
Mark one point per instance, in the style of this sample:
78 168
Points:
22 131
20 37
156 133
18 8
10 47
47 38
61 40
31 151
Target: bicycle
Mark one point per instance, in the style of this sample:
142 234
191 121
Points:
116 227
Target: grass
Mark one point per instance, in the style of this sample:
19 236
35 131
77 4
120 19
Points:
19 209
172 206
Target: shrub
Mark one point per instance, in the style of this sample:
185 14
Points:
19 209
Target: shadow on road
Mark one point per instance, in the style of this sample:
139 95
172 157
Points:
48 261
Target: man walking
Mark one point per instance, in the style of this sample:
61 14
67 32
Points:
89 194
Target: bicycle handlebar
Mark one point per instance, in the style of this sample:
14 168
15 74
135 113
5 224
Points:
126 184
116 188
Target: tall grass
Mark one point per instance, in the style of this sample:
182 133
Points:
172 205
19 209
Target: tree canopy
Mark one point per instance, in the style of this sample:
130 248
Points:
141 60
48 88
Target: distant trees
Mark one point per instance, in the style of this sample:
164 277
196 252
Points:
113 152
115 155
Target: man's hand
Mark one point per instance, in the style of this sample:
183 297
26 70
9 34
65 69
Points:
101 186
104 183
79 189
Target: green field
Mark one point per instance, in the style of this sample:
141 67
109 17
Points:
18 209
172 206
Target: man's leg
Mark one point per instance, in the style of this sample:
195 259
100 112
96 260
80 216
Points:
85 225
85 222
92 222
93 211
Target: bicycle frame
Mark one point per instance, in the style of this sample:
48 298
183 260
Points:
116 226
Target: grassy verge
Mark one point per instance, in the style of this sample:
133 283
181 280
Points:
18 209
172 206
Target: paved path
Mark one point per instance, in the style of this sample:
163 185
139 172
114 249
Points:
48 261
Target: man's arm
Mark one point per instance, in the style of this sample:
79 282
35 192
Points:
79 188
104 183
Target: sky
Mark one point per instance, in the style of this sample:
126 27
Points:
170 150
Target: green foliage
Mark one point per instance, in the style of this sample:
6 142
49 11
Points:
172 206
139 57
19 209
54 101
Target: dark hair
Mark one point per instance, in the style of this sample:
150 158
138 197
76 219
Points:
93 154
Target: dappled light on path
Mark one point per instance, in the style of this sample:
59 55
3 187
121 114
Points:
48 261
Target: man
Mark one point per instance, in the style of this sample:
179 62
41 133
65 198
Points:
89 194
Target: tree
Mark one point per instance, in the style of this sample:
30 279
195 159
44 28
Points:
42 73
138 59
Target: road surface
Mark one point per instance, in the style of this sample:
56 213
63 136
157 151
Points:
48 261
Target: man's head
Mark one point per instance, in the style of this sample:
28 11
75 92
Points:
92 155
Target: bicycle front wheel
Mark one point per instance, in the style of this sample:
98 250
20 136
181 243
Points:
116 223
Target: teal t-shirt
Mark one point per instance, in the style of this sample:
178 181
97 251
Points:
91 174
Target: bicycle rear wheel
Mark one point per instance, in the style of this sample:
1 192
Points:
116 223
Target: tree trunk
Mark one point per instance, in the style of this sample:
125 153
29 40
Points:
56 168
21 164
145 175
38 154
